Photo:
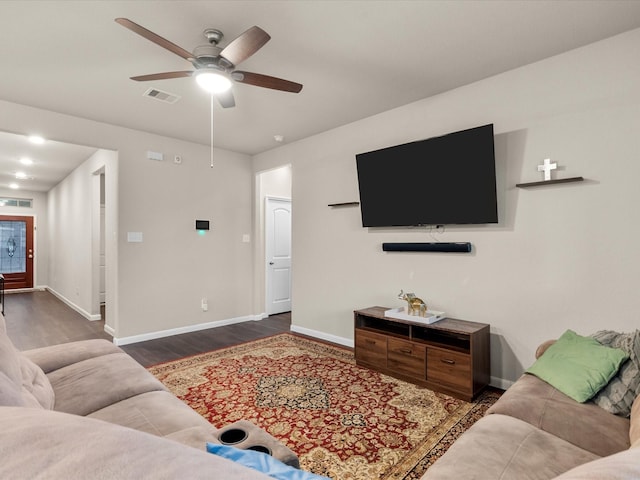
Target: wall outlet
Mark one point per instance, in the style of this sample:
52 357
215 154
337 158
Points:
204 305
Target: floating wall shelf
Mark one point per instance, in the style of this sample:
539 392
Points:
549 182
345 204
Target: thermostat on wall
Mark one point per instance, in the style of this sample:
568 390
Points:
202 224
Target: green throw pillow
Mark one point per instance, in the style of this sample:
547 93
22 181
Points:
578 366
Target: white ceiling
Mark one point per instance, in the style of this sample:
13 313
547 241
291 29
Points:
354 58
52 161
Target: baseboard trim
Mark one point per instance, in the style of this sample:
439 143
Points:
500 383
179 330
25 290
80 310
109 330
347 342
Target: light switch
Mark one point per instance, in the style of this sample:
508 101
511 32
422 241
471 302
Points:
155 156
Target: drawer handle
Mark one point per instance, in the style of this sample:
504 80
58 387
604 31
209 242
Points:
447 361
405 350
372 342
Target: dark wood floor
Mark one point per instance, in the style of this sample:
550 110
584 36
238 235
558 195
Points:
39 319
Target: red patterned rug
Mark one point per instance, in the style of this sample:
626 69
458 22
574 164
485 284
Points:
343 421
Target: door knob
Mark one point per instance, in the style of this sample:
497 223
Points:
30 256
270 263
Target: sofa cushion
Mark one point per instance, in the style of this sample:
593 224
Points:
43 444
55 357
538 403
578 366
84 387
22 383
618 395
621 466
10 374
10 393
498 446
36 388
160 413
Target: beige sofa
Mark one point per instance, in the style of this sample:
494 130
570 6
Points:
534 432
88 410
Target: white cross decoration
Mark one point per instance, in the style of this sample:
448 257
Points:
546 167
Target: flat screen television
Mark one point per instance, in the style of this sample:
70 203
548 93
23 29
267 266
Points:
438 181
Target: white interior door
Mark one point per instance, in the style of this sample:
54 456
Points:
278 255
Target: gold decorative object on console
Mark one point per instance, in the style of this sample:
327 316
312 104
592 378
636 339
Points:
415 305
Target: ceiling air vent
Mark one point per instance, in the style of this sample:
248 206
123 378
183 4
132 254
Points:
162 96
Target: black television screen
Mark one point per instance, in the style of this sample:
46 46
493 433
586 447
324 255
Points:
442 180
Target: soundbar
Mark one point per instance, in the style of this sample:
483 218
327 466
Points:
456 247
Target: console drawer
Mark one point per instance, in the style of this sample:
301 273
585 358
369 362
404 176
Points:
371 348
449 368
406 358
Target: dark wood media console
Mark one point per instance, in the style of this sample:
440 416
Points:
449 356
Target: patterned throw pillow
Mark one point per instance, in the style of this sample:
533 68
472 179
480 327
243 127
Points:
618 396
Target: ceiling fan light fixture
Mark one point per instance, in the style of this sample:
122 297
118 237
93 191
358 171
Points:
212 81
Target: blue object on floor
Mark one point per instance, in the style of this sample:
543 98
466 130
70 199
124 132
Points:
262 462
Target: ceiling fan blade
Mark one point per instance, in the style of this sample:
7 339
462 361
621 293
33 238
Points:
244 46
266 81
162 76
225 99
155 38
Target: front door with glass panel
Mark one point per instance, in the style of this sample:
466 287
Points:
16 251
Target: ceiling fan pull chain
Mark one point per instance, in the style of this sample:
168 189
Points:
212 130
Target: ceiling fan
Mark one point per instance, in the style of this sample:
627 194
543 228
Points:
215 66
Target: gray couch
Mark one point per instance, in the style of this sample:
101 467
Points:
88 410
534 432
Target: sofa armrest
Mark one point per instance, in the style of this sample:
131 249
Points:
56 357
543 347
38 443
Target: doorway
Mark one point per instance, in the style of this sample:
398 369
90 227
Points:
278 254
98 239
16 251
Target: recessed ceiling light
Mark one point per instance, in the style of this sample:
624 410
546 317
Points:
26 161
36 139
14 186
21 175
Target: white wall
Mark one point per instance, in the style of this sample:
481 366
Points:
561 257
164 279
72 206
157 285
39 214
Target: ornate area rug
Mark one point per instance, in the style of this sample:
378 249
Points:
343 421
